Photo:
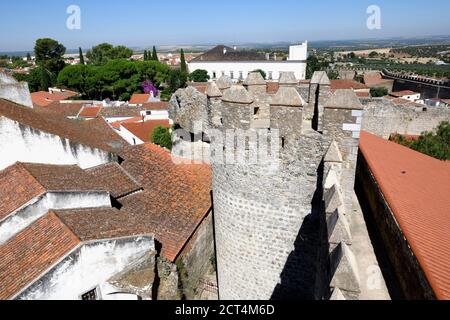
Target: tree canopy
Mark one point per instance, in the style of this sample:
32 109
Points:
199 75
435 144
261 72
49 59
104 52
183 65
379 92
117 79
162 137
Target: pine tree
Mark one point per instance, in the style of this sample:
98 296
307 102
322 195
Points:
154 55
81 56
183 66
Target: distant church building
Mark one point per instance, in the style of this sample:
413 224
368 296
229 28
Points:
236 64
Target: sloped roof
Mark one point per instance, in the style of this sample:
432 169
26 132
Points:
347 84
17 187
417 189
90 112
22 182
225 53
139 98
65 109
44 98
95 133
32 251
175 200
115 179
123 111
143 130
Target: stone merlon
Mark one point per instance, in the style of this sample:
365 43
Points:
212 90
254 79
224 82
344 99
287 79
237 94
320 77
287 96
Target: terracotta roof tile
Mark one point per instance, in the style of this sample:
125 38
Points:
403 93
347 84
156 105
175 200
115 179
417 188
22 182
44 98
32 251
63 177
90 112
139 98
65 109
123 111
143 130
95 133
17 187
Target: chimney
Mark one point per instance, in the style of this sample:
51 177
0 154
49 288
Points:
275 57
235 48
267 56
224 50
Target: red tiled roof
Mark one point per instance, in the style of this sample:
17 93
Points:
113 177
403 93
156 105
363 94
200 86
347 84
22 182
90 112
17 187
31 252
139 98
116 124
143 130
65 109
417 188
94 133
175 200
44 98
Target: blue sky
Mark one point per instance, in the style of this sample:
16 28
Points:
139 23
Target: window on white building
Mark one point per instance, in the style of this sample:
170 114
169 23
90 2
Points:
231 74
270 76
214 75
223 73
90 295
241 75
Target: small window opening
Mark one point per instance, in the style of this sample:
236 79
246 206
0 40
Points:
283 142
90 295
255 111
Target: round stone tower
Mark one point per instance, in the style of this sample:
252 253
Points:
264 201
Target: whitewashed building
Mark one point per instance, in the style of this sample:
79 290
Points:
223 60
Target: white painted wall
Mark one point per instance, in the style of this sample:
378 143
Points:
129 137
156 115
298 67
296 63
299 52
88 266
38 207
25 144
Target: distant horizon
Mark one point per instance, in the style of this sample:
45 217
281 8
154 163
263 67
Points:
246 43
143 23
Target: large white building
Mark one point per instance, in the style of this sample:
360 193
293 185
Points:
223 60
